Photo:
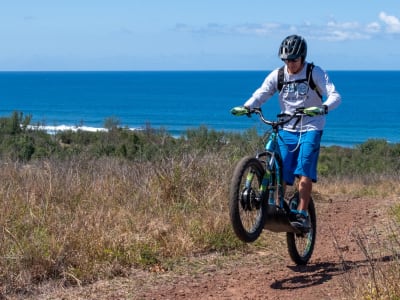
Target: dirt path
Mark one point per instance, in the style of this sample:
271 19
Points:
332 269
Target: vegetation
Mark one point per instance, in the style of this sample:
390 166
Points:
79 206
372 157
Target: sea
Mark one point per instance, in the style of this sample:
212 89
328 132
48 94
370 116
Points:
176 101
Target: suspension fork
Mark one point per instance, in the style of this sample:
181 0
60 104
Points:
273 147
249 179
279 179
273 183
267 185
266 181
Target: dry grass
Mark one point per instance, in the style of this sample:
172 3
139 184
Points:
380 278
373 185
80 220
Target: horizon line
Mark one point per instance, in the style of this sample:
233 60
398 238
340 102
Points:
185 70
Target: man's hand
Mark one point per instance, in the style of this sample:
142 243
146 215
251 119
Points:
240 111
315 111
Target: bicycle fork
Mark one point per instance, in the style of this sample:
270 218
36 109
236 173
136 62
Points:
274 188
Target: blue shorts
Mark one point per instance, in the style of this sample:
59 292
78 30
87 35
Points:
299 159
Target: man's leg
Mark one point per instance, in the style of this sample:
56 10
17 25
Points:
307 171
301 215
305 188
307 167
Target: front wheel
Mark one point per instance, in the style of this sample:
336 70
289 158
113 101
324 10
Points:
301 245
247 207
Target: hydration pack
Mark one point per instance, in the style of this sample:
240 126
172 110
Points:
311 83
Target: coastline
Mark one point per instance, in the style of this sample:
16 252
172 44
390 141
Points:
176 101
52 130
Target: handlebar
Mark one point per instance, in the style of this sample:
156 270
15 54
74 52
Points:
283 118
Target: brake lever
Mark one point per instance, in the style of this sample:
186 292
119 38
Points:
300 110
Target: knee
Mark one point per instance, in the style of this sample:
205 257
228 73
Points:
305 182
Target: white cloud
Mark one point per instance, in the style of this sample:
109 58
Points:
330 31
243 29
373 27
257 29
344 25
392 22
343 35
336 31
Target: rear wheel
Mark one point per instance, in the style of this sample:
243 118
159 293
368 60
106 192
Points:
301 245
247 207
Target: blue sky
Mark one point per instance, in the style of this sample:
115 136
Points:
196 35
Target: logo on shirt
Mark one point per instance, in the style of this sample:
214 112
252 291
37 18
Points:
300 88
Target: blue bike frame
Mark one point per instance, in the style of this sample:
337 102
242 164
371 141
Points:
272 168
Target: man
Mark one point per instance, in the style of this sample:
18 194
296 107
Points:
299 84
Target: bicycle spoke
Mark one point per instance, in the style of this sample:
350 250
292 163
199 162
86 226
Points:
247 210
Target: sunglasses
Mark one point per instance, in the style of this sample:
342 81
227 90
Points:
292 60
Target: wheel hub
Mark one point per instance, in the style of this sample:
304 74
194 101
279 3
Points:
249 200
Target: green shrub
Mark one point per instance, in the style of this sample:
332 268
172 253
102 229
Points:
371 157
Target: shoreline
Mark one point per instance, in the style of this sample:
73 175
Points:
52 130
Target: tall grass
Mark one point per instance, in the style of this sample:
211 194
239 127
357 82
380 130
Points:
378 275
81 206
79 220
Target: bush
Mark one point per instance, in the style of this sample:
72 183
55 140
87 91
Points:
371 157
21 142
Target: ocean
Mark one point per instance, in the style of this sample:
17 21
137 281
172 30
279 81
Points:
181 100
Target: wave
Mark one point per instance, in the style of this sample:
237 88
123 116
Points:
60 128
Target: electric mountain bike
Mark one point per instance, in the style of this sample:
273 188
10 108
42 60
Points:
257 200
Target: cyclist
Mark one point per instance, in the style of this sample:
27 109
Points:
300 141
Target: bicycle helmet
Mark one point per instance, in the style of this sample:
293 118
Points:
293 47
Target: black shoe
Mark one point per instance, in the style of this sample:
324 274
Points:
301 222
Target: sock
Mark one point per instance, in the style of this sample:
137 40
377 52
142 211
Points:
303 212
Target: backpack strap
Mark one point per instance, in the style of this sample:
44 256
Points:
281 78
310 80
311 83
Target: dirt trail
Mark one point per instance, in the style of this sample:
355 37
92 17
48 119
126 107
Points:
262 275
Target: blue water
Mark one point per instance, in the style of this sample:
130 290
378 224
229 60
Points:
177 101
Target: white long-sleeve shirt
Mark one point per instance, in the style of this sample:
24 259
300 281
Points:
296 93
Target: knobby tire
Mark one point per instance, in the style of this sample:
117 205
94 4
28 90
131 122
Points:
301 246
246 207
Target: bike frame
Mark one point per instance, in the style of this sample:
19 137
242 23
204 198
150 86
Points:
273 167
272 186
273 177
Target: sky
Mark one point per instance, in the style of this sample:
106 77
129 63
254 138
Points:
134 35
